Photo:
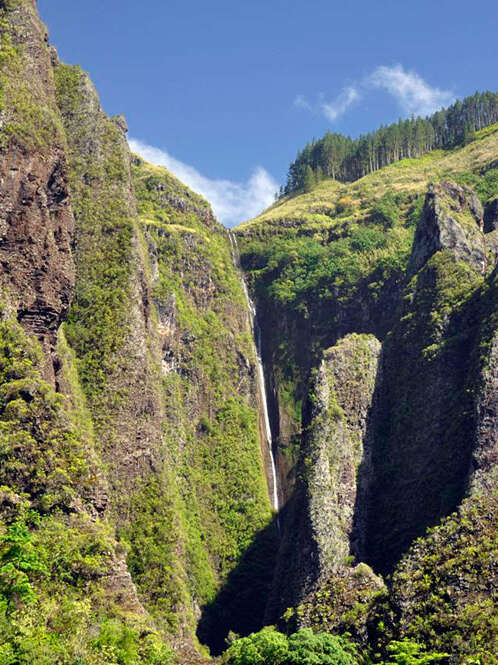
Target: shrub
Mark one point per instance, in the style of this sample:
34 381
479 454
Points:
407 652
269 647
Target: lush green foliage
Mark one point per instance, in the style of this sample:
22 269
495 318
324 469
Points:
445 585
407 652
100 315
269 647
55 562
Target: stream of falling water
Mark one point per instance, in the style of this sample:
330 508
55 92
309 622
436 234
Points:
256 331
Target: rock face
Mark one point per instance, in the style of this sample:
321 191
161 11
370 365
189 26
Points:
484 466
211 428
109 324
426 420
132 478
149 431
491 216
452 219
36 221
443 592
432 362
326 514
337 450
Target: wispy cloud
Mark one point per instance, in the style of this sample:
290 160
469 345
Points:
333 110
232 202
301 102
413 94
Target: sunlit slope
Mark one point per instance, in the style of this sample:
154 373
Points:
331 203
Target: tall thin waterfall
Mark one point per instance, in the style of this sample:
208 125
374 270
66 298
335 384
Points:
260 372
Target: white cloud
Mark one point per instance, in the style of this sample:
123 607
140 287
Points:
413 94
232 202
301 102
332 110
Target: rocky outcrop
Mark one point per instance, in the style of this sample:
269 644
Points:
344 602
338 447
483 473
326 515
425 430
452 220
443 593
491 216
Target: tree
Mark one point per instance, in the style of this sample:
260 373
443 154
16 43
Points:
309 179
267 647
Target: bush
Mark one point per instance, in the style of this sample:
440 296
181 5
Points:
386 212
307 648
269 647
408 652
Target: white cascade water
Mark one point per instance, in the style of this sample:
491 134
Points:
260 372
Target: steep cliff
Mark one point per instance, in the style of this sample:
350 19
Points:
133 482
211 428
416 269
36 219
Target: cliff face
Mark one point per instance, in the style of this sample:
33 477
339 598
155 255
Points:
333 471
211 427
418 423
326 516
432 362
139 463
36 224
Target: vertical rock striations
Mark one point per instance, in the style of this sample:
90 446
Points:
432 362
209 386
36 222
324 528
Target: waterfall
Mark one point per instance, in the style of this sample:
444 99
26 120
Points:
256 331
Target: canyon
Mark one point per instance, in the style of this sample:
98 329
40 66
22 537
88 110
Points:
207 431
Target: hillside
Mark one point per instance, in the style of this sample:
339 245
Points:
377 305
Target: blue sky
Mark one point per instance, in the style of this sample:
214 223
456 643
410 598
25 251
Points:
225 92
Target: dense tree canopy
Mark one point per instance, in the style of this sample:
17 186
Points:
345 159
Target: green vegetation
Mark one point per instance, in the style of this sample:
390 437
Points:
406 652
55 561
442 591
31 118
269 647
211 426
99 319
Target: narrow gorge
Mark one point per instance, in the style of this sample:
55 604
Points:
206 432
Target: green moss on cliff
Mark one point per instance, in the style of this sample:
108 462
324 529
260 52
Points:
211 426
29 115
57 594
99 320
444 590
